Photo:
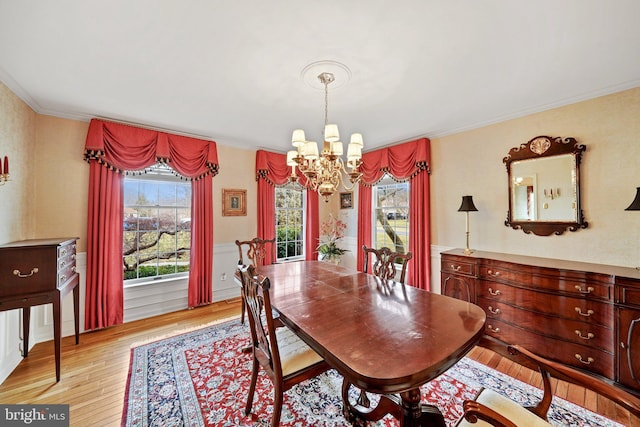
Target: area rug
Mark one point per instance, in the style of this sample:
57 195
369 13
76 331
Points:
201 378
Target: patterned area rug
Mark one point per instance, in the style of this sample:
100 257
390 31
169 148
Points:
201 378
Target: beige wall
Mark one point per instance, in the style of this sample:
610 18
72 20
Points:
237 171
62 179
470 163
17 141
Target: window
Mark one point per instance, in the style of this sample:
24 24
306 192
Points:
391 215
157 225
290 208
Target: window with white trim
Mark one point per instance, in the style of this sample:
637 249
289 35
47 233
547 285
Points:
391 215
290 220
157 225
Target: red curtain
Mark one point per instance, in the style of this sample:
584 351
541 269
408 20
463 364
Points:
111 150
272 170
408 161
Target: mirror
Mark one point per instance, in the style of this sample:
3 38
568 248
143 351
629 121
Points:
544 186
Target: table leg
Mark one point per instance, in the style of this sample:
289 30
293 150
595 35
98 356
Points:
57 332
416 414
26 321
406 408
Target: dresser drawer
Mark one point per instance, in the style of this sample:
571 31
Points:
455 265
580 356
577 331
589 285
580 309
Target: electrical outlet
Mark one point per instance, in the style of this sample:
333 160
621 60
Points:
223 277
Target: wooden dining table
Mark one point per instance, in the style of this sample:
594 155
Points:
383 337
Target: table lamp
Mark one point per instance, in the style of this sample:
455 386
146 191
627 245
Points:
467 206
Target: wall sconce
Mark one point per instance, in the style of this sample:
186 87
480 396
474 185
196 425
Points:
4 171
467 206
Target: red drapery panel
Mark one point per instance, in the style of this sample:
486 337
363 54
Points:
407 161
272 170
104 293
121 148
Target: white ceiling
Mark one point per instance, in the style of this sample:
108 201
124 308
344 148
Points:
231 70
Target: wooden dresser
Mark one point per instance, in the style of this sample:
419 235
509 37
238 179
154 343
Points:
40 271
583 315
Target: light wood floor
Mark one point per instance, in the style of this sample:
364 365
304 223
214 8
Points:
94 373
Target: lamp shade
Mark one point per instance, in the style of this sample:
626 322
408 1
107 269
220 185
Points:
298 138
331 133
635 205
467 205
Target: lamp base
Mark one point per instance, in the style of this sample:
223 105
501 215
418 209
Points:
468 251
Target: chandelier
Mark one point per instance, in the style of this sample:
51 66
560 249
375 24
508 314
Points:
324 170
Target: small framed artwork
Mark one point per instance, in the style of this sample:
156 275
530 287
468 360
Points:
346 200
234 202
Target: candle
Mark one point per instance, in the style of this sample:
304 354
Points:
6 165
0 170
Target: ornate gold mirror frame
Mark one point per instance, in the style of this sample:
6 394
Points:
544 186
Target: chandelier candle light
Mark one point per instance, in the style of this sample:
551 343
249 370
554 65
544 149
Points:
324 170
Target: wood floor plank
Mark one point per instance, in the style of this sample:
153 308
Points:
94 373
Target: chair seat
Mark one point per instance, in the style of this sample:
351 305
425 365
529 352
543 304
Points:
295 354
507 408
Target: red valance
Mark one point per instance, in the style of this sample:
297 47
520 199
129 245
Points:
124 148
402 161
272 167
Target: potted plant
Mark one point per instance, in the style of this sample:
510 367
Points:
332 232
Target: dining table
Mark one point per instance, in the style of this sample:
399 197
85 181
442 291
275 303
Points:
383 337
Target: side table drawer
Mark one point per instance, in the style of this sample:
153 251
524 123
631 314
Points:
27 300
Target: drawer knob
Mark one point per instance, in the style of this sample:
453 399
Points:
19 274
492 329
588 337
493 273
584 291
63 263
495 293
455 267
63 252
587 314
492 310
589 360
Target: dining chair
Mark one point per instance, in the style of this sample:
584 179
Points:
491 408
255 251
383 264
284 357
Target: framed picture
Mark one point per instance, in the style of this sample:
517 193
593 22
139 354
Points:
346 200
234 202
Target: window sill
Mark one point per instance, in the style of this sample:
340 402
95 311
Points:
152 281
